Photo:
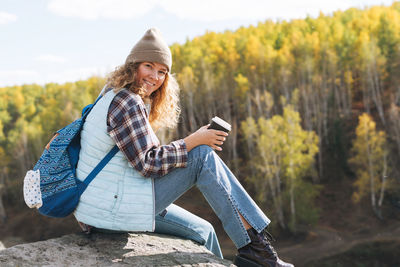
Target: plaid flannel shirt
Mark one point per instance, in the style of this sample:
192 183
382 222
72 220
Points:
129 127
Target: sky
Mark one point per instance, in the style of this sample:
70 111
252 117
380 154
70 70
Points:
44 41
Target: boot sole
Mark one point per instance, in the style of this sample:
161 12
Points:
243 262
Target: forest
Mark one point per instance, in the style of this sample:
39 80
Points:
313 103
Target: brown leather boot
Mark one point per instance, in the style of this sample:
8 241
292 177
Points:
259 252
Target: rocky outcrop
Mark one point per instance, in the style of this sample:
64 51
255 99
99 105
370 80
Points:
99 249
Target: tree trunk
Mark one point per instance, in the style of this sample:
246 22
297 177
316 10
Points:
233 143
371 175
292 207
376 90
3 215
279 205
189 106
276 198
395 124
384 177
274 182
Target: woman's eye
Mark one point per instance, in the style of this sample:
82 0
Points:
161 72
148 65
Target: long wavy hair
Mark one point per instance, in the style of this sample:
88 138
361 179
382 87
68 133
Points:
164 101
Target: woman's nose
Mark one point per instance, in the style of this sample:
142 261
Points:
154 75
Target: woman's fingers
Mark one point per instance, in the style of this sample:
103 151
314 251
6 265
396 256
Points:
204 127
216 148
216 143
222 133
219 133
222 139
214 138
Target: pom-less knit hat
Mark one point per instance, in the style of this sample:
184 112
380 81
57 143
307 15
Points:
151 48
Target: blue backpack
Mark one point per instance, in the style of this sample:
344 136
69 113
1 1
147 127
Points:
60 189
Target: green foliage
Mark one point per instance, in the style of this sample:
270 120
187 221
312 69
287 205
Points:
369 158
285 155
29 115
307 209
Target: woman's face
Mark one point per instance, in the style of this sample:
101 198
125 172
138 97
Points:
151 75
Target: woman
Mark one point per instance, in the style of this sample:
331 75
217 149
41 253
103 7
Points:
136 189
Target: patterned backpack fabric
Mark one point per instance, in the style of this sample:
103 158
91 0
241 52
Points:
52 185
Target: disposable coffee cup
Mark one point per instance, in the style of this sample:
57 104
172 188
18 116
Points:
219 124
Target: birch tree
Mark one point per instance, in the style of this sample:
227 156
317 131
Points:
285 154
370 163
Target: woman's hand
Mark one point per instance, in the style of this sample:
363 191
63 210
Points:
204 136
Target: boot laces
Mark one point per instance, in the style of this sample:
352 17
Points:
268 238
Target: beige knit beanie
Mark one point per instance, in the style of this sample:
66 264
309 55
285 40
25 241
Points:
151 48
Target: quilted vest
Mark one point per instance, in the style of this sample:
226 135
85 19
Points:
119 197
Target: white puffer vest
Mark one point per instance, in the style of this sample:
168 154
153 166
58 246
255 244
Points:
119 197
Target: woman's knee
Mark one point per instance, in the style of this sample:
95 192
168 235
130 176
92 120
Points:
207 229
201 151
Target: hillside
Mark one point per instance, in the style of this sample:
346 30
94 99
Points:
315 109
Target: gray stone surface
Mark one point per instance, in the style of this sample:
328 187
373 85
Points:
99 249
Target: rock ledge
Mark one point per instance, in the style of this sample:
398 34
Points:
99 249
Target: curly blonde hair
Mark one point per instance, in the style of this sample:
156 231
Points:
164 101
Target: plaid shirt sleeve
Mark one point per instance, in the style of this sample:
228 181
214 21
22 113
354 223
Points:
129 127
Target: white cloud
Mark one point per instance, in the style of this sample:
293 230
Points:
6 18
205 10
50 58
94 9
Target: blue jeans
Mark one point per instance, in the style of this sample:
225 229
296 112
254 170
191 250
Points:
180 222
221 189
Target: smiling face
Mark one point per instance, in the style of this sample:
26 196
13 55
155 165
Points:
151 75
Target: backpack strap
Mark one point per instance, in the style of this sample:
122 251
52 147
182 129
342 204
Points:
82 186
88 108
